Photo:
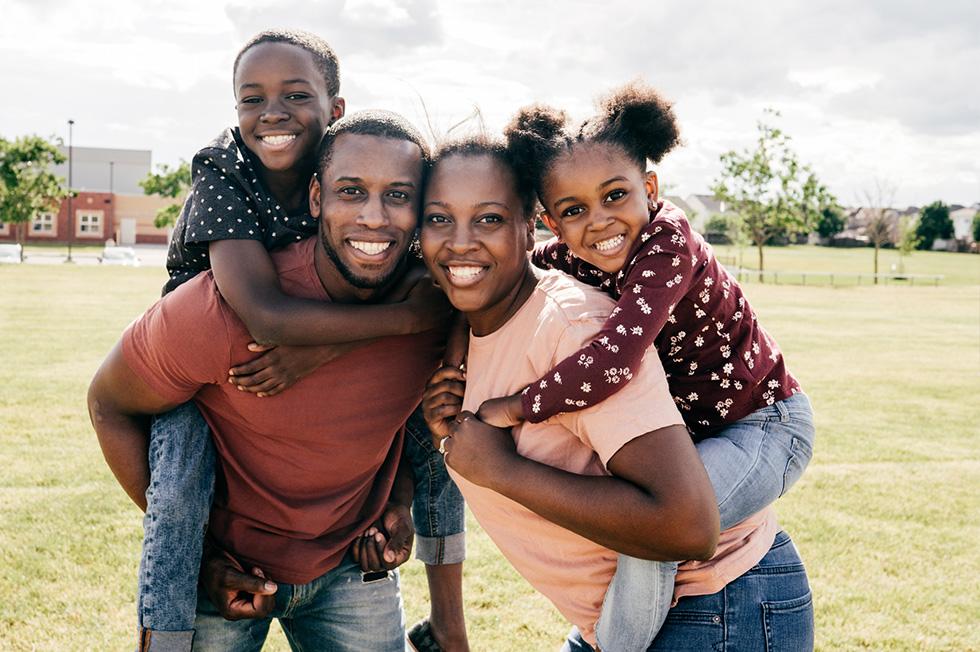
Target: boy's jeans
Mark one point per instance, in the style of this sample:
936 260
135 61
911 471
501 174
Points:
182 466
337 612
750 463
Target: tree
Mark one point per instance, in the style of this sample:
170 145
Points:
880 229
770 189
934 222
908 240
27 184
976 227
831 222
168 182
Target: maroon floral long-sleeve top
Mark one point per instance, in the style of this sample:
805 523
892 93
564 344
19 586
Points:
674 294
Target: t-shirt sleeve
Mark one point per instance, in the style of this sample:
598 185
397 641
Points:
180 343
219 208
659 278
642 406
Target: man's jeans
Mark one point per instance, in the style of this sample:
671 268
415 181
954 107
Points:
182 467
770 607
337 612
750 463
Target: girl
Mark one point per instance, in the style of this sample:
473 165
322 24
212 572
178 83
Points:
559 496
752 424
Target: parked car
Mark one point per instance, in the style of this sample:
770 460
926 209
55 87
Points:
125 256
10 253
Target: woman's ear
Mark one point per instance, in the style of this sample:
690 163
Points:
531 224
551 223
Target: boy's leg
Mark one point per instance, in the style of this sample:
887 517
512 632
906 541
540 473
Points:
636 604
341 613
757 459
182 463
438 513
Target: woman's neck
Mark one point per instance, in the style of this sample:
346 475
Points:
486 321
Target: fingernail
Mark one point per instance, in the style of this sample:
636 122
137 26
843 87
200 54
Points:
389 556
260 394
270 586
379 537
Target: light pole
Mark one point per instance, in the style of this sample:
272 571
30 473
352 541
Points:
71 220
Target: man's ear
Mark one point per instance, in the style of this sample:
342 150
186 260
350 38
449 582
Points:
551 223
315 196
337 110
653 186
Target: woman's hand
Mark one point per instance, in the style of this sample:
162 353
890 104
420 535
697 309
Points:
442 401
503 412
278 368
479 452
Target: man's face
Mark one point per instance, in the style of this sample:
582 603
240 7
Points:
367 199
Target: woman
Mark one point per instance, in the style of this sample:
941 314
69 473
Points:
562 497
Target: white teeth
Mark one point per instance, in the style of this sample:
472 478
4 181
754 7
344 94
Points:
370 248
278 140
610 243
464 272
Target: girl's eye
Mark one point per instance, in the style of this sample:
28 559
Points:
616 195
572 211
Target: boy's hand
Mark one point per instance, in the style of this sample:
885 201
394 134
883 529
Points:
278 368
387 545
236 594
479 452
442 401
503 412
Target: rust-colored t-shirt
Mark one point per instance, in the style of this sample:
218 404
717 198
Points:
303 472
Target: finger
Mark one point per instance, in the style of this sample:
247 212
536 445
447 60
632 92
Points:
232 580
253 379
255 347
263 388
446 413
275 389
399 546
252 366
375 551
446 372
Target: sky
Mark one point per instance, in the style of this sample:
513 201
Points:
871 91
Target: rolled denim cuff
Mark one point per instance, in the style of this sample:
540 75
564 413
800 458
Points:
437 551
159 641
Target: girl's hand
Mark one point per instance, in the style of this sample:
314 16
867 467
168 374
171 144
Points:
503 412
479 452
278 368
442 401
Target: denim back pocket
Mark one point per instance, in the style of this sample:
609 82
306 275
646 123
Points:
789 624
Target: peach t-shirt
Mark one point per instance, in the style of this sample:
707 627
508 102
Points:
570 570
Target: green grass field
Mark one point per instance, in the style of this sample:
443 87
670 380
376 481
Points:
886 517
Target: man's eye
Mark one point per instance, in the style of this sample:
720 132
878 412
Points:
350 190
572 211
616 195
399 195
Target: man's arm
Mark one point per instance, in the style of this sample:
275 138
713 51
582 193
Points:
120 405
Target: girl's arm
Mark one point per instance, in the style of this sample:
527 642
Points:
247 279
657 281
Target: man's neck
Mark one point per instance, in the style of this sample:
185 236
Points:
339 288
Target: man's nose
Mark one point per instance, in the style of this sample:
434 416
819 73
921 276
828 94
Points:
373 214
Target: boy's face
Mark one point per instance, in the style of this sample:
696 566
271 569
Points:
283 105
367 200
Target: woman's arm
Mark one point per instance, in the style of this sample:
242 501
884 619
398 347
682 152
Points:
247 279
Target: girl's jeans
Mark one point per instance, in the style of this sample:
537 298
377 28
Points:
770 607
750 463
182 468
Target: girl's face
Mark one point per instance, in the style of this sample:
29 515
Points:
475 238
596 200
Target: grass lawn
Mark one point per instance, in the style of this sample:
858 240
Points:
886 517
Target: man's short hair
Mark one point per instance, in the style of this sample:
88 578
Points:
323 55
374 122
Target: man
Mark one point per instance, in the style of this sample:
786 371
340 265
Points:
305 472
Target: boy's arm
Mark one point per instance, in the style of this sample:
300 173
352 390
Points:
247 279
120 404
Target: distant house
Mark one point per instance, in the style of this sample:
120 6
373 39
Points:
693 216
108 202
704 207
962 218
856 221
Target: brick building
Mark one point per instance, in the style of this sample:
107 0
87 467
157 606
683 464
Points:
109 203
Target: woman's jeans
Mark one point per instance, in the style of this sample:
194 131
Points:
182 469
750 463
770 607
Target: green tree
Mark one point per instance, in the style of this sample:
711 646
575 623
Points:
976 227
168 182
27 184
908 240
831 221
770 189
934 222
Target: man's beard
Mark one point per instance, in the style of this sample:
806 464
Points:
359 281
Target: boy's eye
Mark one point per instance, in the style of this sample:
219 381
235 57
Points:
572 211
616 195
252 99
297 96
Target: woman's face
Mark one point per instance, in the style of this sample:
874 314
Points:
475 238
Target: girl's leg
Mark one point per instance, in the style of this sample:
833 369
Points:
757 459
636 604
178 502
440 538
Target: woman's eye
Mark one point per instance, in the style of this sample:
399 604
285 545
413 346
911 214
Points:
572 211
491 218
616 195
436 218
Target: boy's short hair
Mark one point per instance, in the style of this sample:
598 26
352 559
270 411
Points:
323 55
374 122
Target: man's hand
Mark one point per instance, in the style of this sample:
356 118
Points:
387 545
278 368
442 401
479 452
503 412
236 594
